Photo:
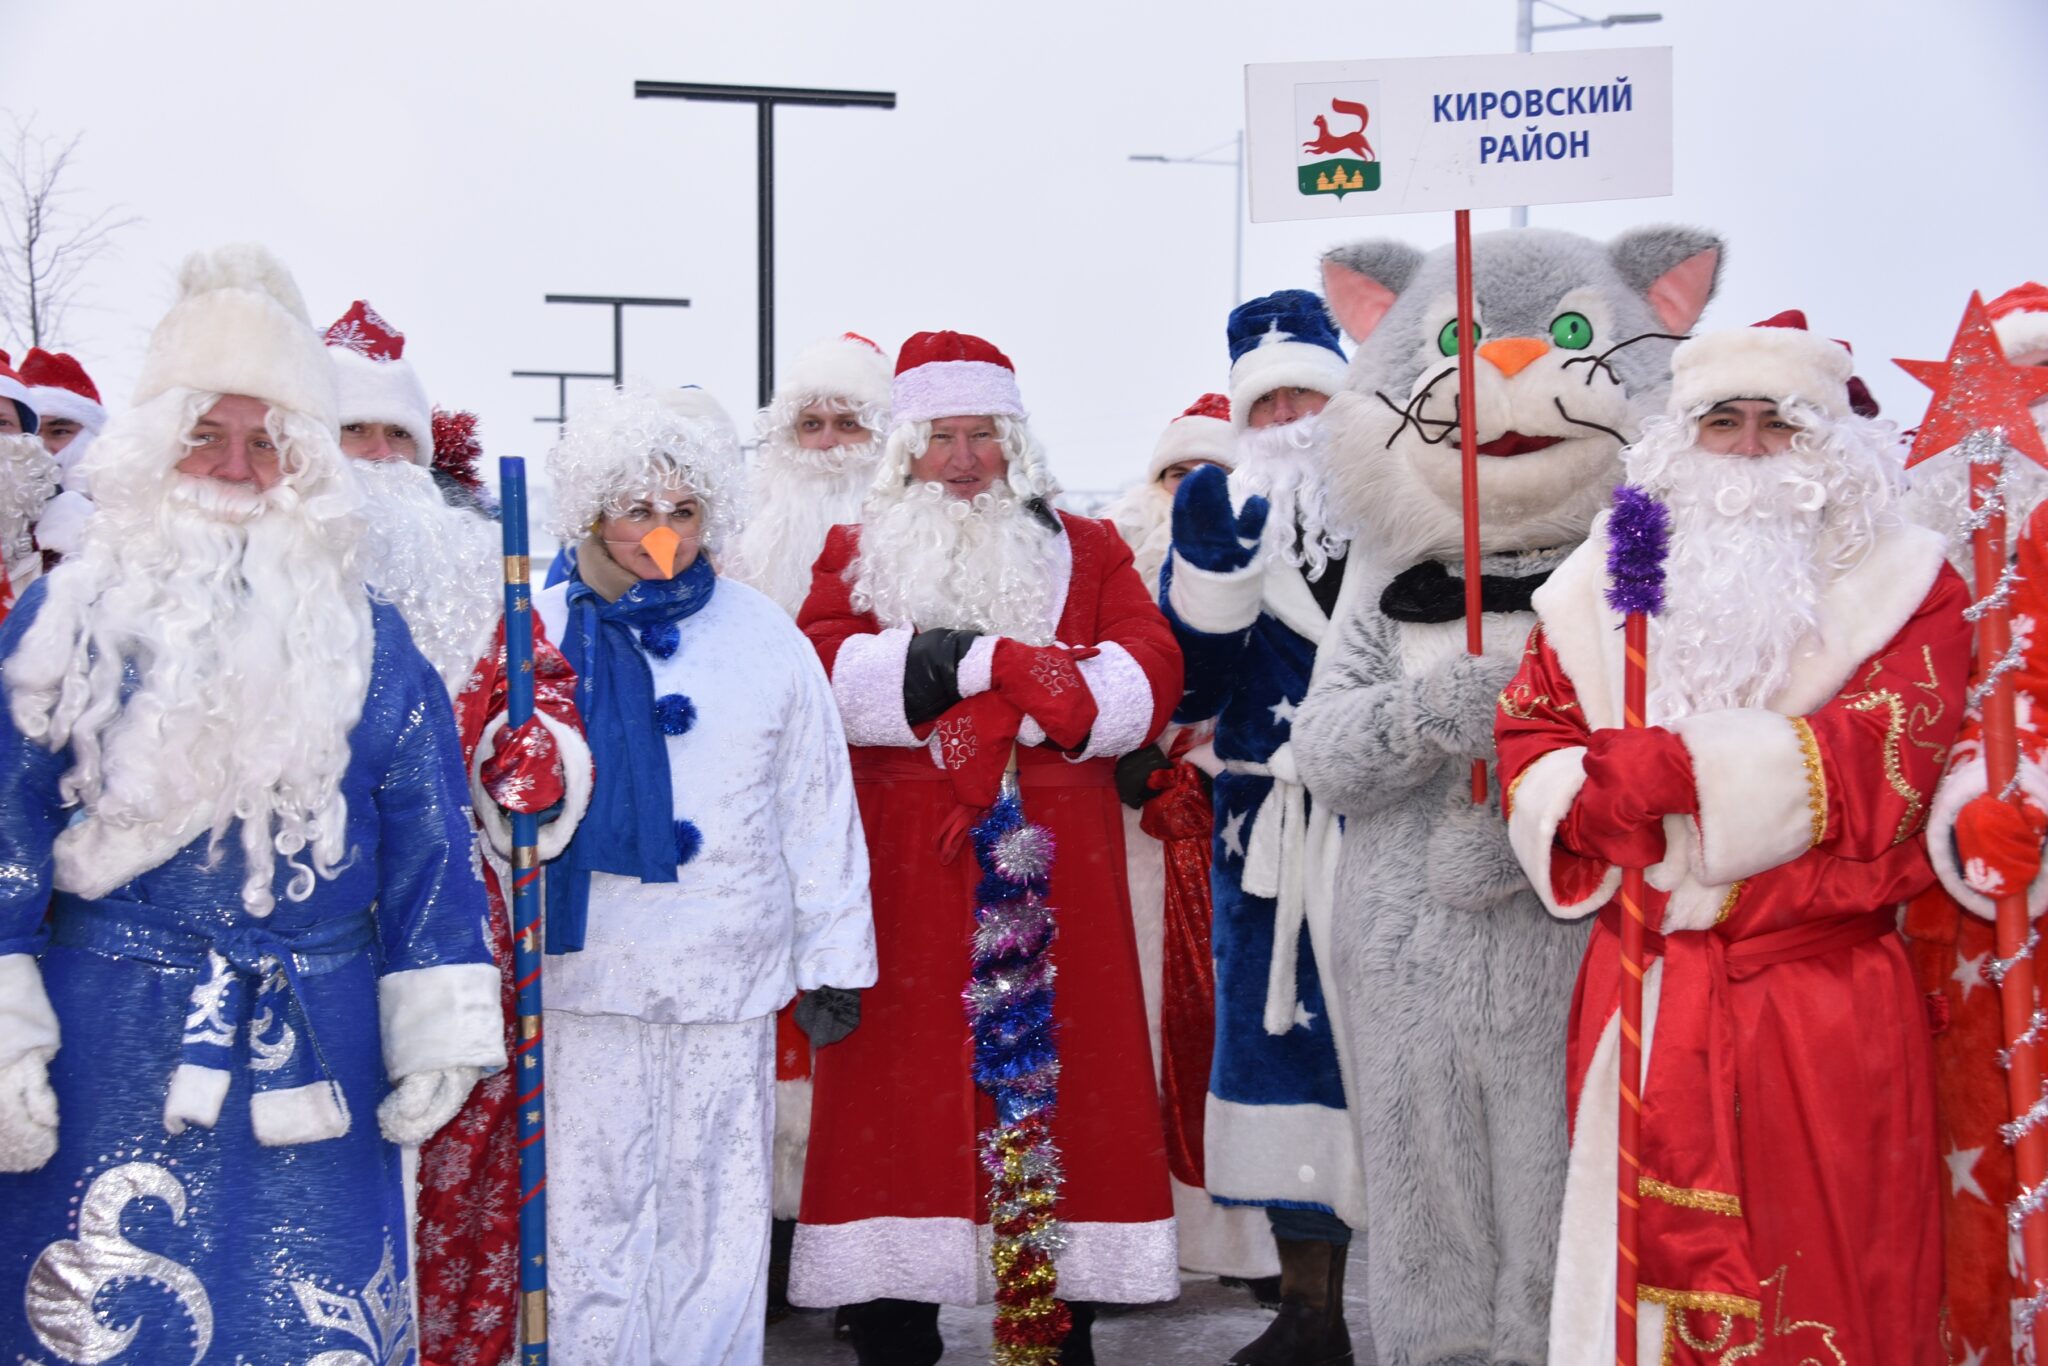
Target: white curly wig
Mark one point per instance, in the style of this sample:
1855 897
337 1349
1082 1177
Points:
628 442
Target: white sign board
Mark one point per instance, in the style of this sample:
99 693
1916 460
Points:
1338 139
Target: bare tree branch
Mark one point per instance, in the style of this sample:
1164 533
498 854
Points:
47 247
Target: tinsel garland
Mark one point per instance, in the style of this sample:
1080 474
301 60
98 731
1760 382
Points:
1016 1061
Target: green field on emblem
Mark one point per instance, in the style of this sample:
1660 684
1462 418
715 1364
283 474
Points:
1339 176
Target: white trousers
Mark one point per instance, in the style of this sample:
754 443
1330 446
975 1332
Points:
659 1146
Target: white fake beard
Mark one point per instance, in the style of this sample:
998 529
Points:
28 479
794 497
1938 497
1285 466
1755 542
246 626
930 560
440 566
1143 516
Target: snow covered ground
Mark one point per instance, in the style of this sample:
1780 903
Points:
1205 1325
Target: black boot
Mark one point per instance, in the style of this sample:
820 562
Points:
1309 1330
781 1234
1079 1348
895 1333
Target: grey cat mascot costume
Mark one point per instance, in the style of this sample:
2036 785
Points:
1456 986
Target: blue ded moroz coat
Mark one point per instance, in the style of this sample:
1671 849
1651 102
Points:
136 1245
1276 1128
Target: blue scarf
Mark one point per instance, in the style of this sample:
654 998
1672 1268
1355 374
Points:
630 828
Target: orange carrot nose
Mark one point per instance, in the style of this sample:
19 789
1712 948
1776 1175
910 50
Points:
662 544
1511 354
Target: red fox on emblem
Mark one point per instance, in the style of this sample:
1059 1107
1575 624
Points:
1323 144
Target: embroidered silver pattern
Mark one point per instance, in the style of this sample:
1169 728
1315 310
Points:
379 1316
207 1023
69 1274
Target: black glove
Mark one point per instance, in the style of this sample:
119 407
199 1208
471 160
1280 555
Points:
827 1014
931 673
1134 774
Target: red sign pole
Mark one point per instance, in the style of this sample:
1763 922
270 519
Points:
1468 462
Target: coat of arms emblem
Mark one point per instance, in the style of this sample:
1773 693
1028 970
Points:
1336 155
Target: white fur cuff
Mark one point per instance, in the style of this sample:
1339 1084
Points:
1760 803
28 1024
578 777
976 673
1966 781
1123 702
1543 797
1216 604
446 1016
867 683
298 1114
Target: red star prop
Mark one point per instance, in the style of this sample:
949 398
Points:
1977 390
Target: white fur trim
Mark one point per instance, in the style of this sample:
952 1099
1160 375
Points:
837 368
1582 1298
867 683
792 1145
91 858
2020 334
1692 905
1966 781
439 1017
977 667
28 1024
1544 794
1859 613
1302 1153
298 1114
1281 365
1777 363
195 1096
946 1261
383 391
579 777
955 388
240 327
50 403
62 526
1123 702
1216 604
1750 772
1193 438
20 393
1289 598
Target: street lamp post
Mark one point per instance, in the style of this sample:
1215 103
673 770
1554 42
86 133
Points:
1526 29
1236 165
561 379
764 98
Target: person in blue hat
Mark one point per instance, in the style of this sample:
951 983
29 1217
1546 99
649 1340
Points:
1251 586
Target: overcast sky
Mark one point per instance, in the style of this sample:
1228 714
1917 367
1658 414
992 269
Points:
453 162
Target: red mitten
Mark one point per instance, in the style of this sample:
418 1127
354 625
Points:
523 771
1998 845
1045 683
1634 778
975 739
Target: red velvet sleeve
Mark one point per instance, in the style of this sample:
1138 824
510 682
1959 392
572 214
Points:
1539 719
828 617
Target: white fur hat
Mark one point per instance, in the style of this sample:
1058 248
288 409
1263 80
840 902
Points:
847 366
696 403
373 380
240 327
2020 317
1765 361
1203 432
1283 340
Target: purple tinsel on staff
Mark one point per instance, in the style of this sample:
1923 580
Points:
1638 538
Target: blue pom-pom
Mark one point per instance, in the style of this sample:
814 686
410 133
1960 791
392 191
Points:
660 639
675 713
689 839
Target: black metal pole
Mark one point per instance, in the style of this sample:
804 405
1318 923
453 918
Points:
764 140
618 343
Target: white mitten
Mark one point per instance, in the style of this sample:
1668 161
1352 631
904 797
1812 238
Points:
423 1102
28 1114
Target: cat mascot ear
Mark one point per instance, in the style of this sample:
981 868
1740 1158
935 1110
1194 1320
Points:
1674 268
1362 279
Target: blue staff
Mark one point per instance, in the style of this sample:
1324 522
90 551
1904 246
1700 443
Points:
529 1068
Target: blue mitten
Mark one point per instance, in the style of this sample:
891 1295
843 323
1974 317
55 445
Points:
1206 532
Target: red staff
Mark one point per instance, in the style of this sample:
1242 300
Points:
1980 409
1638 536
